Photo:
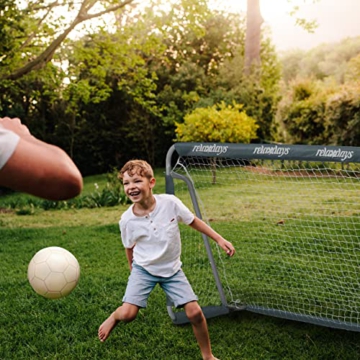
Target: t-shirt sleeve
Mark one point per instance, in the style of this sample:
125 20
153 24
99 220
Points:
8 144
183 213
126 237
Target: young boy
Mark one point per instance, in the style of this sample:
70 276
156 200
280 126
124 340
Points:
151 237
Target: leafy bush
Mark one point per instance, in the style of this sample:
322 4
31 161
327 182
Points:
25 211
218 123
111 195
316 113
108 196
343 116
301 113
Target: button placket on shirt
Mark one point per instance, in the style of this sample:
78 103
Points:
151 222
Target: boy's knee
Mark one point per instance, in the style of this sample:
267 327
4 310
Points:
194 313
128 313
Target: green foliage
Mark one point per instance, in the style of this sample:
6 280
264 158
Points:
112 91
209 69
44 30
111 194
27 211
121 92
352 72
27 29
320 103
189 69
219 123
343 116
324 61
312 112
310 25
258 91
301 113
10 20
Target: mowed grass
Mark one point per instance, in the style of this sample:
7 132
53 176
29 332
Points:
32 327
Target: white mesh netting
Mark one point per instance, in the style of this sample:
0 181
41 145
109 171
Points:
295 226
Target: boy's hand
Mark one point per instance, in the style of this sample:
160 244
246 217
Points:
227 246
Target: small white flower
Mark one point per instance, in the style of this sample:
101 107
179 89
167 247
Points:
96 186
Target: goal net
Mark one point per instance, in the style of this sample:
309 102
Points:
291 211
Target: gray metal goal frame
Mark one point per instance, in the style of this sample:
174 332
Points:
309 153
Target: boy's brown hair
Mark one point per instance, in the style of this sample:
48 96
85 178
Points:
138 167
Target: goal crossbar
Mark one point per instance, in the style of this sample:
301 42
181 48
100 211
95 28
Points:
292 212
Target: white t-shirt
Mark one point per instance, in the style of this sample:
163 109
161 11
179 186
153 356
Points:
8 143
157 235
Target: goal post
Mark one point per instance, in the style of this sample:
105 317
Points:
292 213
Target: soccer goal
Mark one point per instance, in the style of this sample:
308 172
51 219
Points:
293 215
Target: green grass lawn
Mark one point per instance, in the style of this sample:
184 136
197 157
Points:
32 327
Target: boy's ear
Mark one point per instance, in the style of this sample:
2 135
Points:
152 182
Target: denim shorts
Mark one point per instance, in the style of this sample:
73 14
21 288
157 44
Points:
140 284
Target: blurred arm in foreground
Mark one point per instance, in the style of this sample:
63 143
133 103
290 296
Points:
33 166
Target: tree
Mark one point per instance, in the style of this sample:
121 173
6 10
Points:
302 113
322 62
122 91
253 34
112 91
206 67
352 71
39 22
258 91
253 30
342 115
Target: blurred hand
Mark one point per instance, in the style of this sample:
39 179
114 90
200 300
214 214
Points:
15 125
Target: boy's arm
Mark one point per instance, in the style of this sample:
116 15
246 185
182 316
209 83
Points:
202 227
129 256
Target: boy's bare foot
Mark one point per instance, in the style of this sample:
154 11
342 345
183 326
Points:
106 327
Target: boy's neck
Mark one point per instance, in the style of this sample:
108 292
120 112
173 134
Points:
146 207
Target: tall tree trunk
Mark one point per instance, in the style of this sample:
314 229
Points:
253 34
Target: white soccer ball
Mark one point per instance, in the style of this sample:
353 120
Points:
53 272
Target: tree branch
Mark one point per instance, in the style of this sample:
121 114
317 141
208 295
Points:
33 34
46 56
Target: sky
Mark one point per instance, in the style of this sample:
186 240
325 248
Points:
337 19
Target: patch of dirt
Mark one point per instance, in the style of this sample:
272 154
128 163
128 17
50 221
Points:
6 211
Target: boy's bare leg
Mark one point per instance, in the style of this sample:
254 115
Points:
125 313
199 325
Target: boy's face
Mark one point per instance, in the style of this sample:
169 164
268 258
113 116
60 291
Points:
138 188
